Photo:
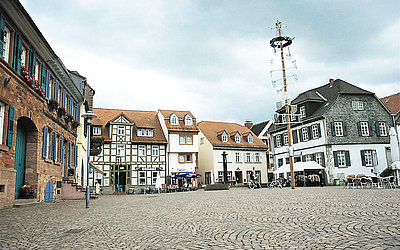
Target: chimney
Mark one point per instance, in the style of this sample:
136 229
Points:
330 83
248 124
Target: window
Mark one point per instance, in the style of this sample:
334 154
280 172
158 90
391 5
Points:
96 130
302 111
257 157
2 108
237 157
142 178
23 56
174 120
6 47
357 105
121 130
338 126
155 151
142 150
308 157
285 139
237 138
364 129
280 162
221 175
250 138
319 158
45 146
154 177
315 131
145 132
120 150
341 158
185 139
185 158
248 157
188 120
368 157
278 141
382 129
201 140
55 146
224 137
305 134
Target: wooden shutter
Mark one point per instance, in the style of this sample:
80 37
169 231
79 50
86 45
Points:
378 133
2 33
78 112
56 89
62 149
359 128
323 158
53 145
76 156
48 85
10 130
17 53
344 125
370 128
319 130
333 128
44 78
45 134
70 154
71 105
347 156
295 136
335 159
362 157
301 134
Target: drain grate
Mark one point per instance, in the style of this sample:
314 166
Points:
74 231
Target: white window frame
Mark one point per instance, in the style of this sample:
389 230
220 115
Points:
189 140
285 139
174 120
314 131
142 150
142 178
2 109
250 138
120 150
96 130
302 111
364 127
257 157
368 158
120 130
237 138
338 128
278 141
237 157
182 139
23 55
6 48
304 132
154 177
308 157
248 157
341 159
37 73
224 137
155 150
357 105
318 158
382 128
181 158
188 120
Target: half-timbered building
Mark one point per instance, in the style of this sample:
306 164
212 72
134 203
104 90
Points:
134 150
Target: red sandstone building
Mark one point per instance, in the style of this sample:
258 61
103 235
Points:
40 106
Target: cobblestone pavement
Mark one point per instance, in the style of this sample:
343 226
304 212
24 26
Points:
316 218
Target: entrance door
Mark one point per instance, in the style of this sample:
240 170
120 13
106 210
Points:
20 151
121 177
48 192
207 178
239 176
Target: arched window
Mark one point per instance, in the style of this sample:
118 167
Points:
188 120
174 119
250 138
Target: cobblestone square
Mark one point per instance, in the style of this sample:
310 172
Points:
239 218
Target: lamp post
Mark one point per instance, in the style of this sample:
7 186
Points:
225 166
118 164
88 116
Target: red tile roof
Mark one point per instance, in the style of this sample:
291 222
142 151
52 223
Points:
392 102
181 127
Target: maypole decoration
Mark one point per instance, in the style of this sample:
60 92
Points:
280 43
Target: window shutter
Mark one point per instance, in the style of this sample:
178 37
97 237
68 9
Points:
335 159
319 130
333 128
44 78
62 149
362 157
303 158
2 33
53 146
347 155
323 159
76 156
17 53
70 154
78 112
48 85
71 105
32 62
274 141
359 128
301 134
309 129
313 157
45 134
377 129
10 131
344 128
370 128
56 90
295 137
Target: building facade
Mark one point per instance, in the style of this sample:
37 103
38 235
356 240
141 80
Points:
181 131
134 150
245 153
340 126
39 110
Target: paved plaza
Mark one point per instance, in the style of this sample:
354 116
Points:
239 218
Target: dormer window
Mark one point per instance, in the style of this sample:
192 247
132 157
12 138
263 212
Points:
302 111
188 120
237 138
250 138
145 132
121 130
96 130
174 119
224 137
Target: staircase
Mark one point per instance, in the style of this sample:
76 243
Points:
71 190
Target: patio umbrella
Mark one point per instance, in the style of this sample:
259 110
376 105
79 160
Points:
158 182
395 153
212 177
375 162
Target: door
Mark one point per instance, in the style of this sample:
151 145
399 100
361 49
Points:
19 164
120 178
48 192
239 176
207 178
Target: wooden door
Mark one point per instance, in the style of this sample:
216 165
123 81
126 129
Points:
20 153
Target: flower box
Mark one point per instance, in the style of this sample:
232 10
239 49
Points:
53 104
61 111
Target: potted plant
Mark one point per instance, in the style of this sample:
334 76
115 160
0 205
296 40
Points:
75 124
53 104
27 192
68 118
61 111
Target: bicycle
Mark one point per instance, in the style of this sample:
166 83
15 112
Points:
254 184
275 184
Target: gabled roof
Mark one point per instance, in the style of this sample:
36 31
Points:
141 119
392 103
181 123
259 129
211 129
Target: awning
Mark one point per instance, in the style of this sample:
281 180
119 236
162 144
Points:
186 175
299 167
96 168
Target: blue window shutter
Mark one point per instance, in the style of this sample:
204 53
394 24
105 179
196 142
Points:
56 90
65 99
70 153
44 77
47 85
19 52
10 131
78 112
71 105
62 149
32 62
2 33
76 156
53 146
45 134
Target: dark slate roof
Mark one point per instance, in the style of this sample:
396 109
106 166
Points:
258 128
325 95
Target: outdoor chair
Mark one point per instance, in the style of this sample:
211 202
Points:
365 182
350 182
375 182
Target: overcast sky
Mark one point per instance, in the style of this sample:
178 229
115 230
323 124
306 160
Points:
213 57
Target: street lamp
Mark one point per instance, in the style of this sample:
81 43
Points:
118 164
88 116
